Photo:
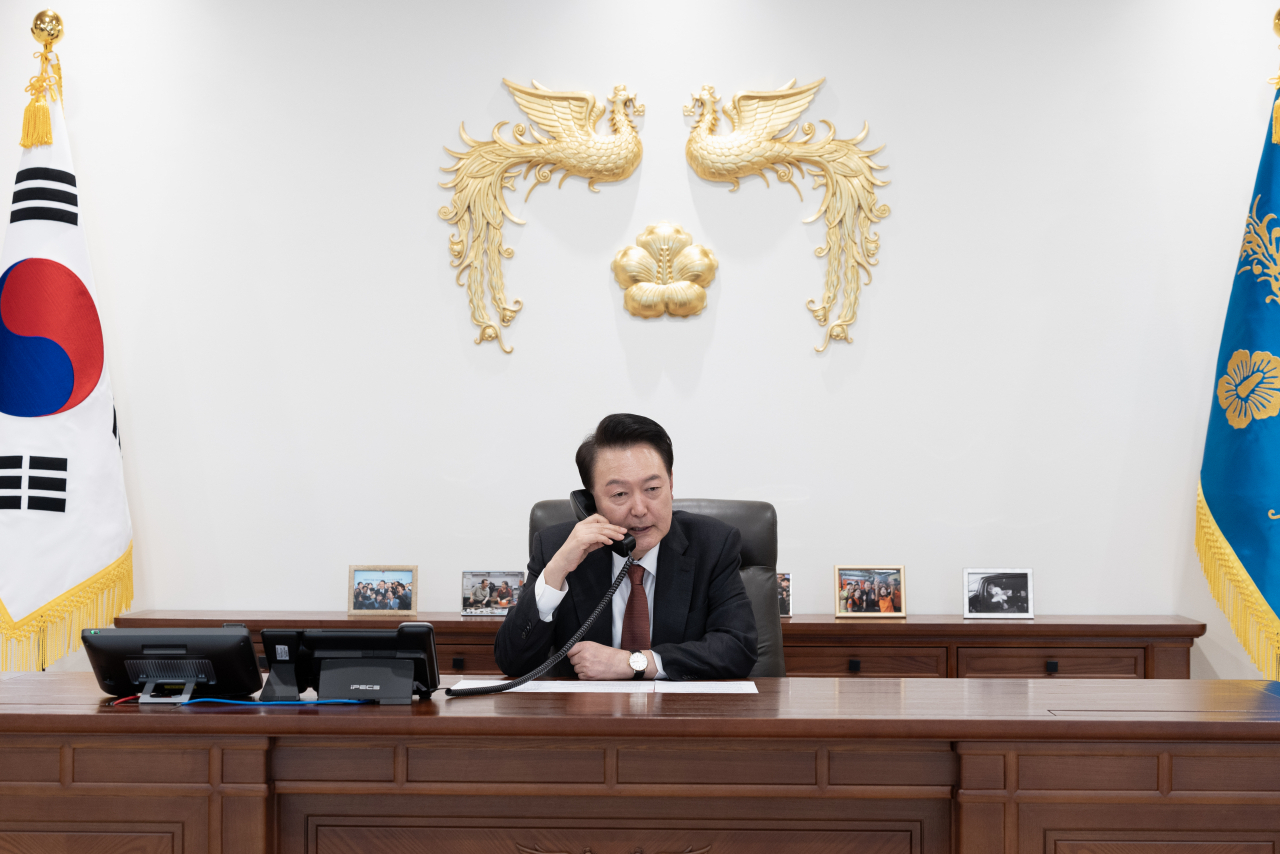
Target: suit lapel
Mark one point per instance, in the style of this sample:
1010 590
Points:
674 587
587 585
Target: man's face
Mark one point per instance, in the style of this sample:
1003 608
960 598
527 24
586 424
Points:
633 490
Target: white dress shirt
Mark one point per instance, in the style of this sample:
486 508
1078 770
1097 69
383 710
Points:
547 598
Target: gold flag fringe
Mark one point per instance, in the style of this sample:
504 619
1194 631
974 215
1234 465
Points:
54 630
1252 619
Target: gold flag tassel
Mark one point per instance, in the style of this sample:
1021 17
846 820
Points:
1251 618
53 630
37 126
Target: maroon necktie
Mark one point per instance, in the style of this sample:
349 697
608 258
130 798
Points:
635 620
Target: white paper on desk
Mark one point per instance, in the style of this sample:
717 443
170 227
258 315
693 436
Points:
627 687
663 687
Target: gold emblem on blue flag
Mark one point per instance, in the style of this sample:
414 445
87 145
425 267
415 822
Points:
1237 527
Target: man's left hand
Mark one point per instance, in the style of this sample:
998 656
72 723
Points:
592 660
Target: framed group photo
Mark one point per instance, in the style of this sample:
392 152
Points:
382 591
871 591
784 594
997 594
490 594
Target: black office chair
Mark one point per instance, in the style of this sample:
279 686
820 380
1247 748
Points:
757 521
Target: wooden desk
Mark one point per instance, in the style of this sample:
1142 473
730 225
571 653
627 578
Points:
824 766
1112 647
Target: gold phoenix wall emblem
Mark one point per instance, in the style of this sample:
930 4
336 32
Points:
664 273
756 142
486 170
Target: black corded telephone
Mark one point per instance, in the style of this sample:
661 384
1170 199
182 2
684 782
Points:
584 505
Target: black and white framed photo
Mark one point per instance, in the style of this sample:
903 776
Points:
490 594
871 591
784 594
997 594
382 591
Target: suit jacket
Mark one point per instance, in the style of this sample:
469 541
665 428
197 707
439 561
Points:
703 625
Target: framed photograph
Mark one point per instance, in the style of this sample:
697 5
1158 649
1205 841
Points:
490 594
382 591
997 594
871 591
784 594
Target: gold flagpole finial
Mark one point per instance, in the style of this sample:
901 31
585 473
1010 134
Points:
47 27
37 128
1275 110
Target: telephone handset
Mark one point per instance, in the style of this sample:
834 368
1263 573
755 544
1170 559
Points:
584 505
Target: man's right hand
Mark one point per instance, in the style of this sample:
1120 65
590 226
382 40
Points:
587 536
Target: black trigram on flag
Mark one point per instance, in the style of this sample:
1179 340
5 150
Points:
43 193
43 492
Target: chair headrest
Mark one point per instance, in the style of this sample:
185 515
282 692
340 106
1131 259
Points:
757 521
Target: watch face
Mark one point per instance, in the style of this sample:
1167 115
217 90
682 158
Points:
638 661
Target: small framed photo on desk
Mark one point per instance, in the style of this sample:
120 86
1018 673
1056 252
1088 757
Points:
997 594
382 591
871 591
784 594
490 594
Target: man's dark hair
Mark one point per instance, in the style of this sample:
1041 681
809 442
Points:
622 430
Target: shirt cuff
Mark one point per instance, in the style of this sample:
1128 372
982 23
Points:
657 662
547 599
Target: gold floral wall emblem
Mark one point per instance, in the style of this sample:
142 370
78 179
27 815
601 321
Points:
487 169
1251 387
1259 250
757 142
664 273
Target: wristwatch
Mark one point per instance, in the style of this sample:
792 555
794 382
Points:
639 664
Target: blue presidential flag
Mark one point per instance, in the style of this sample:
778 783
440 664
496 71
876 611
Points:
1238 506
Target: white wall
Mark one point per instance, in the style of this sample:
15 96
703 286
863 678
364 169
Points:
1030 377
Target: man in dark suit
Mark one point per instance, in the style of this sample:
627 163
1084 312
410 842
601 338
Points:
682 614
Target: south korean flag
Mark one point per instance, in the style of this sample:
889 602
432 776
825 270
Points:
65 534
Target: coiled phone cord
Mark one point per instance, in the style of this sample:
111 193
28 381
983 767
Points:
553 660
